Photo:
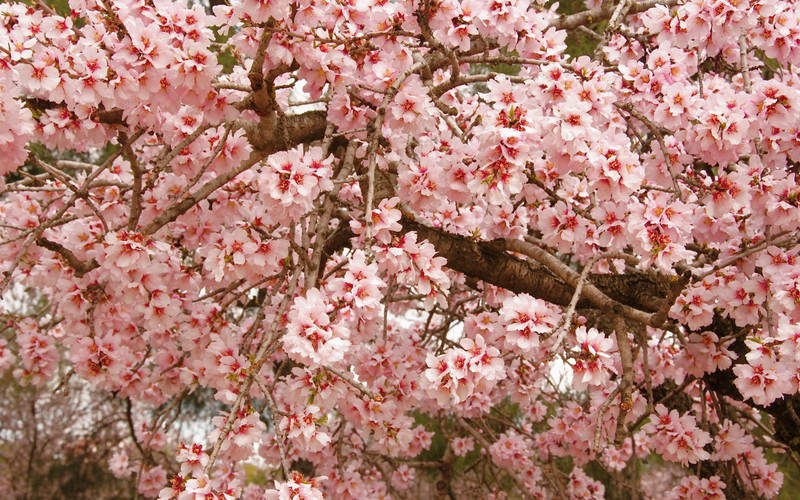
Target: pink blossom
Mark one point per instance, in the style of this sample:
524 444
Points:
192 459
119 466
591 362
584 487
7 357
761 381
38 357
239 442
152 480
462 445
296 488
403 477
526 318
302 427
731 441
677 437
694 487
310 336
39 76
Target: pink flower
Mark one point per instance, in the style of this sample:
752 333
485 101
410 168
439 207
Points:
575 119
403 477
239 443
302 427
360 286
39 76
385 221
591 362
676 437
446 378
511 450
583 487
762 381
695 305
152 480
127 250
409 103
693 487
525 319
485 361
7 357
293 179
310 336
192 459
296 488
38 357
731 441
462 445
345 114
16 128
119 466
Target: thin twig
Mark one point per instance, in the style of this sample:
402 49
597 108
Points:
279 436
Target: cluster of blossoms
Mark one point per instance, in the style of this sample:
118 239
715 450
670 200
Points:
311 338
297 487
38 357
461 372
513 451
238 433
591 362
359 288
329 222
293 180
462 445
676 437
711 488
526 319
303 429
584 487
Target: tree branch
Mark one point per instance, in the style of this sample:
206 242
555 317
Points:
74 262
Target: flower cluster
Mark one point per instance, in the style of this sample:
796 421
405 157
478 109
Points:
591 359
311 337
525 319
292 180
240 435
711 488
459 373
37 355
676 437
296 488
302 428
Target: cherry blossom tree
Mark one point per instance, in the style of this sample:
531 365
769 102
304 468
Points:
391 264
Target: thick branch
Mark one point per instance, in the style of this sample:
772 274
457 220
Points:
489 262
595 295
602 13
304 128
